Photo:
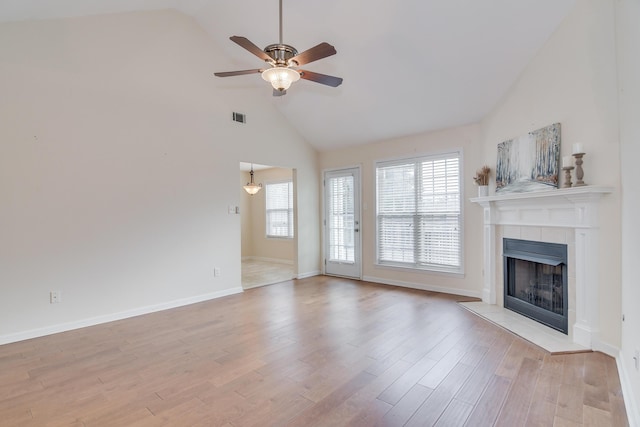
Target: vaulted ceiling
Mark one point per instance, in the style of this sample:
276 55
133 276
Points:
409 66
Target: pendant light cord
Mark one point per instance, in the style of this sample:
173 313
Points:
280 21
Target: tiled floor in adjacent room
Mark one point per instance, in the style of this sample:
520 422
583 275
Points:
260 272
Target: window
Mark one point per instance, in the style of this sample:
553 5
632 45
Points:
419 216
279 203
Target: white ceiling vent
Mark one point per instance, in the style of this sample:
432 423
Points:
239 117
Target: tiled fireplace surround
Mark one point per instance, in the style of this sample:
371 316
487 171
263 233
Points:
566 216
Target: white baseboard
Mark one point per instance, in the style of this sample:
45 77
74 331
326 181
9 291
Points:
264 259
424 287
606 348
631 402
92 321
308 274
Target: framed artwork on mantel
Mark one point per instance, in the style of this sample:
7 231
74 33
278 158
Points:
529 162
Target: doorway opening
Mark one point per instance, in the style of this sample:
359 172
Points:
268 229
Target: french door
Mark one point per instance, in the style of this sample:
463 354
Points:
342 223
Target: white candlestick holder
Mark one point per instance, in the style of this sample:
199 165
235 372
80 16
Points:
567 176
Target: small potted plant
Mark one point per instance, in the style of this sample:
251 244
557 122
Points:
482 180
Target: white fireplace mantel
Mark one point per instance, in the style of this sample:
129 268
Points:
575 208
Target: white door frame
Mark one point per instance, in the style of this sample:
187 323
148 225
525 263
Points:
358 218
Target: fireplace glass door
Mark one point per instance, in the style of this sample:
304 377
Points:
536 281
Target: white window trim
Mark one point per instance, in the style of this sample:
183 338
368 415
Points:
293 230
449 272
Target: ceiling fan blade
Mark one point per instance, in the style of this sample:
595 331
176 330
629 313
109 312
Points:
237 73
321 78
317 52
277 92
245 43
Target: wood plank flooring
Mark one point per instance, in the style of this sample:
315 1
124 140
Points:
315 352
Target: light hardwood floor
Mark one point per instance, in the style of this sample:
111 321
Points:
315 352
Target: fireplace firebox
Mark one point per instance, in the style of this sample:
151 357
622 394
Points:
535 281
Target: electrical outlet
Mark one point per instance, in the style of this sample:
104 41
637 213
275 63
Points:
216 272
55 297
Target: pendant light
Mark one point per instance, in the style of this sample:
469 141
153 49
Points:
251 187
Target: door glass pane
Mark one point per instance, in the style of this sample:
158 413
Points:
341 219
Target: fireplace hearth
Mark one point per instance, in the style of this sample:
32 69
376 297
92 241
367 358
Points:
535 281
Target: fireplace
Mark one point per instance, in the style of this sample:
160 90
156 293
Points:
535 281
564 216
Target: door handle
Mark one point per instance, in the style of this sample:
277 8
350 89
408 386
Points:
356 230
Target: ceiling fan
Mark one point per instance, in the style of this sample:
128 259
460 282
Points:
283 61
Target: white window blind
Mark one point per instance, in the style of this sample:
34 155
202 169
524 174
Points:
341 219
419 213
279 209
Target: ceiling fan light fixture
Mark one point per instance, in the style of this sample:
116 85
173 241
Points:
281 77
282 57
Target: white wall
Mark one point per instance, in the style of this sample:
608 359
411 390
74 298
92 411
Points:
572 80
118 159
466 138
628 38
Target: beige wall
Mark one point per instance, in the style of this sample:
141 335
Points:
628 37
118 161
255 243
572 80
466 138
